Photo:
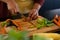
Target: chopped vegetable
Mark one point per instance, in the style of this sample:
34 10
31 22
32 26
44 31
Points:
2 30
4 23
37 37
43 22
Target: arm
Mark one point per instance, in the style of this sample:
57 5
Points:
34 12
12 6
38 4
8 1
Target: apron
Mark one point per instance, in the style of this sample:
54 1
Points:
25 5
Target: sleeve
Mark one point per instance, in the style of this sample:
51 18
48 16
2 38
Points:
39 1
3 10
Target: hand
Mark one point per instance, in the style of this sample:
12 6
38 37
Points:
33 14
13 8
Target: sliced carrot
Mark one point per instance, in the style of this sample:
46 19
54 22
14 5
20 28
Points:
2 31
17 24
59 19
57 22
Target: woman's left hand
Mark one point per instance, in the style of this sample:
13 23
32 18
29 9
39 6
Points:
33 14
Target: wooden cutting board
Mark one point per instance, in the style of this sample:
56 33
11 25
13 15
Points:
54 28
41 30
51 29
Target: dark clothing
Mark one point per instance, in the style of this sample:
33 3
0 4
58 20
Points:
39 1
3 9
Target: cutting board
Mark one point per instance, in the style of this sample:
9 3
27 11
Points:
41 30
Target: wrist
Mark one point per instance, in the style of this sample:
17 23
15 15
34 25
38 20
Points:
37 6
35 9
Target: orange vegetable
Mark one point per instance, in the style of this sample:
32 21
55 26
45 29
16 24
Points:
57 20
17 24
2 30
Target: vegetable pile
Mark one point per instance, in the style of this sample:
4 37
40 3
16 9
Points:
43 22
20 29
24 25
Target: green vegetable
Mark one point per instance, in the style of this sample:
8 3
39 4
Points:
39 26
52 24
43 22
38 37
4 23
1 37
17 35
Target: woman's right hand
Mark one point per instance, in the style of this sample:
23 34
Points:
13 7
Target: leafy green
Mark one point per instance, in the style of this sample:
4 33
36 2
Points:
39 26
43 22
4 23
17 35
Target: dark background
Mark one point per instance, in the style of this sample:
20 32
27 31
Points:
50 8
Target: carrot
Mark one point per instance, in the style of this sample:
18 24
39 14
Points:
59 19
55 21
17 24
2 30
8 20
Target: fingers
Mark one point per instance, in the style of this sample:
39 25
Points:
33 14
35 17
13 11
